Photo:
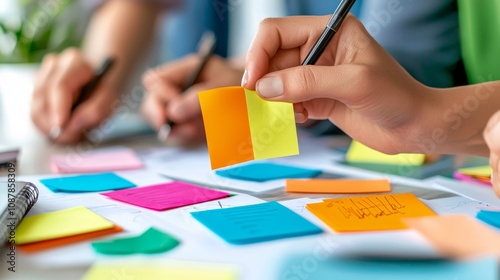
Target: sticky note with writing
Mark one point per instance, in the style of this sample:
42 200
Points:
240 126
364 213
255 223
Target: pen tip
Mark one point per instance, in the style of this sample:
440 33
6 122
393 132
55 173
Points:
54 133
163 132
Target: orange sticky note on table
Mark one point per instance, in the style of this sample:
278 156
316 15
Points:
365 213
337 186
458 236
240 126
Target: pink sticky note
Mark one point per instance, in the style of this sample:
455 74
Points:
166 196
96 161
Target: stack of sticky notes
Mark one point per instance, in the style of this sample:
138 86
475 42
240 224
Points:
479 174
102 160
266 171
62 227
166 196
368 213
240 126
255 223
87 183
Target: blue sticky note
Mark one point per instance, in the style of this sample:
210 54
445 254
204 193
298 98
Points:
265 171
87 183
490 217
255 223
331 268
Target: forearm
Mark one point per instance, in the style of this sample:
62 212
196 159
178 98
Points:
456 117
123 29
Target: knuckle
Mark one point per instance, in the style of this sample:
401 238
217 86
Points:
306 80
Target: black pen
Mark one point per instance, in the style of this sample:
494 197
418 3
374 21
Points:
206 49
85 92
331 29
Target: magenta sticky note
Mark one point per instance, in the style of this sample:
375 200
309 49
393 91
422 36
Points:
166 196
103 160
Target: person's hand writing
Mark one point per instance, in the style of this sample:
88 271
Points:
492 137
356 84
164 100
57 86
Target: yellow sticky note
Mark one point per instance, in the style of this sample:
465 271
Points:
240 126
59 224
458 236
337 186
359 153
364 213
160 270
483 171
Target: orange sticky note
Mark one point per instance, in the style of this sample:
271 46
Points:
458 236
337 186
43 245
240 126
364 213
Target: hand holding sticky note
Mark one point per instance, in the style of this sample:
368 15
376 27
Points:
240 126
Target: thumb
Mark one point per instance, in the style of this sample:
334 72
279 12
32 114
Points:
304 83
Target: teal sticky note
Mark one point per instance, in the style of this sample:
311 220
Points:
266 171
87 183
330 268
150 242
490 217
255 223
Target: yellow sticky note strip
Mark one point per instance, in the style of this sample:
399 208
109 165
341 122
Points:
458 236
359 153
483 171
337 186
379 212
157 270
63 223
240 126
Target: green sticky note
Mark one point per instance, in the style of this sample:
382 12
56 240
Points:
150 242
359 153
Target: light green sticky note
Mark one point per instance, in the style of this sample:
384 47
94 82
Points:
63 223
272 127
359 153
150 242
160 270
477 171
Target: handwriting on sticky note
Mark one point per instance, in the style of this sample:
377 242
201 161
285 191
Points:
381 212
59 224
112 159
337 186
166 196
359 153
249 128
458 236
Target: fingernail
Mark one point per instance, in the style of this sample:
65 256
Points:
244 80
164 132
54 132
270 87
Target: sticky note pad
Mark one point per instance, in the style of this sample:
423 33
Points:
255 223
489 217
160 270
484 171
458 236
52 243
240 126
337 186
359 153
151 241
87 183
63 223
112 159
364 213
166 196
265 171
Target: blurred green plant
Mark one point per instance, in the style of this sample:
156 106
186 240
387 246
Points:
43 26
